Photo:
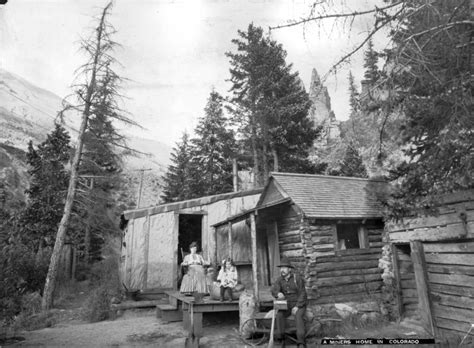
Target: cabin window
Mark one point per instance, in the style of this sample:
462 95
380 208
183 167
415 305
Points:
351 236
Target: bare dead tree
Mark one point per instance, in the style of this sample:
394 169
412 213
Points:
98 48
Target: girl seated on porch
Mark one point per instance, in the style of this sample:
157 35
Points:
195 278
227 278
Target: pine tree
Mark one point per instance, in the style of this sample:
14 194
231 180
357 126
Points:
270 105
213 150
353 94
371 58
352 164
177 180
433 83
101 164
47 191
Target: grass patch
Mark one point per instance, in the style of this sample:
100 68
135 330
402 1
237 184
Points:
97 306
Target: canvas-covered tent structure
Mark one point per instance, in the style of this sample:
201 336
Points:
156 238
329 227
433 265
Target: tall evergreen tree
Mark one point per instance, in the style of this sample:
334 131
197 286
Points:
352 164
47 191
371 58
177 180
433 53
353 94
213 150
270 105
101 164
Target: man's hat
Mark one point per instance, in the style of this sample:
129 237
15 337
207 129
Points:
284 262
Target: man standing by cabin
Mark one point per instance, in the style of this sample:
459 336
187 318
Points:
290 287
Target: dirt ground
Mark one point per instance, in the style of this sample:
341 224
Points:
141 328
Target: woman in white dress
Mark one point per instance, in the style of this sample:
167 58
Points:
195 278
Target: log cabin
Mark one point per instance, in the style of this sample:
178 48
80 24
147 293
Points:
329 227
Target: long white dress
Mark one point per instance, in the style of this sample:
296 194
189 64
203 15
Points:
195 279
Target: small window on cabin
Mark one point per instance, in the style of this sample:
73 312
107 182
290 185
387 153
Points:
351 236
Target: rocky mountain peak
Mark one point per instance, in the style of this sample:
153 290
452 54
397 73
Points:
320 111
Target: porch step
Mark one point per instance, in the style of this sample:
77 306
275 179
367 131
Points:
136 304
117 308
169 313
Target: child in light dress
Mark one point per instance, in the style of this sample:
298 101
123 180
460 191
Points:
228 278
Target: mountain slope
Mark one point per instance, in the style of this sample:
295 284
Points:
28 112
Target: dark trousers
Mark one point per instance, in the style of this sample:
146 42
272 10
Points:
299 318
225 289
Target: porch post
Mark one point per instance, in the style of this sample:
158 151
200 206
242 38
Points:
253 237
229 226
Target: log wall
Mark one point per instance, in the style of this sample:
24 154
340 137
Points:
345 275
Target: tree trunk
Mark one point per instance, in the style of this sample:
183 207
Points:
39 253
253 139
275 159
266 170
87 235
47 300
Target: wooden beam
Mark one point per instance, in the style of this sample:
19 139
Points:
253 237
450 269
333 266
147 251
454 301
421 279
175 252
229 242
451 279
350 279
396 273
463 247
448 232
460 314
451 259
453 289
430 221
345 272
129 253
214 230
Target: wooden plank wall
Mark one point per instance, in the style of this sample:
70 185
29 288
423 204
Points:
409 295
448 250
241 250
347 275
455 220
450 269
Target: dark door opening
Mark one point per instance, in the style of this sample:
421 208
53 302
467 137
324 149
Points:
190 230
409 292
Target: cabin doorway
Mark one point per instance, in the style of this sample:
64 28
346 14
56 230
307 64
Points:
190 230
406 275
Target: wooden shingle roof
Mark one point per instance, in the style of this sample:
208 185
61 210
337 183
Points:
321 196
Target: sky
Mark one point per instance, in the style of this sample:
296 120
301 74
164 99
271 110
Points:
172 51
